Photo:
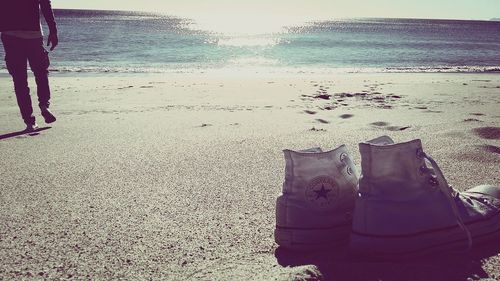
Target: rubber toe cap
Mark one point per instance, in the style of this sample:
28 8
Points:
493 191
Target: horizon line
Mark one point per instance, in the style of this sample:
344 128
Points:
173 15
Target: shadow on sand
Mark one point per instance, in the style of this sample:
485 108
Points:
344 266
23 132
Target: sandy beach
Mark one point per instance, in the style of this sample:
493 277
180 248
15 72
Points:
175 176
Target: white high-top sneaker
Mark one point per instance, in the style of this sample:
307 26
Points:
407 208
319 192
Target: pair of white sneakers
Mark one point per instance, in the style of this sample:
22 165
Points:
400 205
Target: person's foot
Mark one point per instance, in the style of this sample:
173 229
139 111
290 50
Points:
31 127
47 115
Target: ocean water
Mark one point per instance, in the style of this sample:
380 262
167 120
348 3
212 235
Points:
111 41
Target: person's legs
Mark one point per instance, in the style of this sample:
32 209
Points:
39 62
16 59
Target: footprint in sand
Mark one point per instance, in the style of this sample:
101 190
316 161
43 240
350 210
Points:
490 148
478 114
385 125
397 128
346 116
472 120
317 130
380 124
323 96
393 96
490 133
479 153
328 107
323 121
310 112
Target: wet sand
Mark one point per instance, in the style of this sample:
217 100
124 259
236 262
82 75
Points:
176 176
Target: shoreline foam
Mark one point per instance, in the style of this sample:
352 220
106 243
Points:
271 70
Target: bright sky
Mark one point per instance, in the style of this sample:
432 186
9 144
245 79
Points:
264 14
455 9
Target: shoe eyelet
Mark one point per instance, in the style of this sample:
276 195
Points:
423 170
420 153
343 156
433 181
486 202
349 170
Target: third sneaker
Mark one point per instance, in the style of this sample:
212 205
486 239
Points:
407 208
319 191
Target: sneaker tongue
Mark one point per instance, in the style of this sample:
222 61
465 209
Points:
383 140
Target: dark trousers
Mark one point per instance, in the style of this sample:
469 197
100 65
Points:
17 53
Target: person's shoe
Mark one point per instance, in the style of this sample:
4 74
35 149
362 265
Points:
406 207
315 210
47 115
31 127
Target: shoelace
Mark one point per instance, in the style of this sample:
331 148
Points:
449 192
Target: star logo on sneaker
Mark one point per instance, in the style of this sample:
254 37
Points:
321 192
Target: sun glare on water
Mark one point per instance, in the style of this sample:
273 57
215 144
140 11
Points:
239 24
248 40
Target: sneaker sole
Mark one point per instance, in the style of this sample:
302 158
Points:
300 239
410 246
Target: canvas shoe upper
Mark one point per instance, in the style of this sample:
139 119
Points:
319 191
31 127
406 206
47 115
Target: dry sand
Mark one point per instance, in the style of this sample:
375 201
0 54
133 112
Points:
175 176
